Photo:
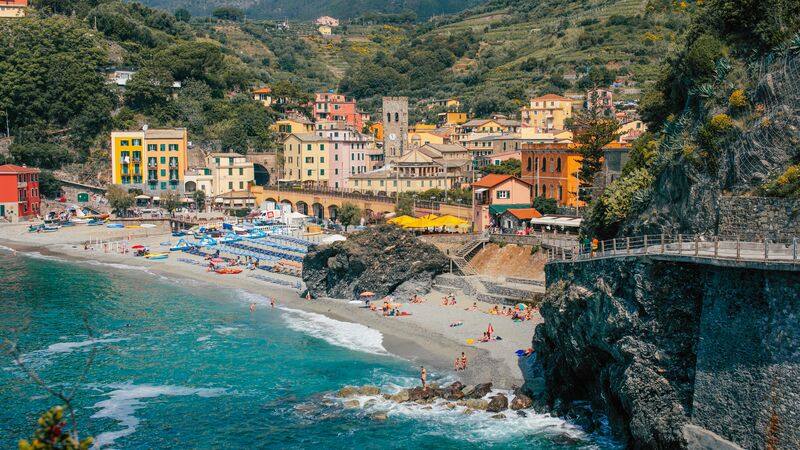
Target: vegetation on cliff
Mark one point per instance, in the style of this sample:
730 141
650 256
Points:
724 116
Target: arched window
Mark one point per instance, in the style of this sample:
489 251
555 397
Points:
558 165
560 191
552 192
552 166
397 117
544 164
529 164
544 190
388 117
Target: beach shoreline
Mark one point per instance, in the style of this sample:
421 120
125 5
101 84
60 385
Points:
425 338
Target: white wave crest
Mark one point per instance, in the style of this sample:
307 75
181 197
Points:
38 359
479 426
354 336
125 399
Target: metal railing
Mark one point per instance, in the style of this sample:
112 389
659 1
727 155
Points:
690 246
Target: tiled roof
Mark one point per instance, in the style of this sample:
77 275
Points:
493 179
525 213
11 168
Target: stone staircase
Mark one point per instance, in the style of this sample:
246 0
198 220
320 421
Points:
464 253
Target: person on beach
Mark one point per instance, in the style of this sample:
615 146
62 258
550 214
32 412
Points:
272 302
423 376
463 361
457 365
308 296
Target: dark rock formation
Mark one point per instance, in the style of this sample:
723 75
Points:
498 403
622 334
383 259
521 401
657 346
480 390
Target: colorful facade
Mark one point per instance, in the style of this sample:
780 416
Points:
306 157
150 160
337 107
552 170
548 112
13 9
19 193
494 194
223 173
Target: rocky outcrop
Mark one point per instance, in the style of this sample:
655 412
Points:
622 335
498 403
384 259
658 345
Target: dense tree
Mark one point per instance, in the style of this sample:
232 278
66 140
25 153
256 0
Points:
49 186
149 89
510 166
170 201
182 15
40 155
199 197
405 206
592 135
119 199
349 214
49 79
228 13
545 205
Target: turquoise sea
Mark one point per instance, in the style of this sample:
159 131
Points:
182 365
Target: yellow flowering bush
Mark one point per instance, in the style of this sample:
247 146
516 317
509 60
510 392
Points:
737 100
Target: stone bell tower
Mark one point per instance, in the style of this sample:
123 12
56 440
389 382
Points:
395 127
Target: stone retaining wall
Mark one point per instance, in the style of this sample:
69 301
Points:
757 218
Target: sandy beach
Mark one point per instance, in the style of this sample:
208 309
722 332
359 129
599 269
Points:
425 337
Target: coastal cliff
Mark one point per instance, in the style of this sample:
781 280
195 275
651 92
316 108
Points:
663 347
383 259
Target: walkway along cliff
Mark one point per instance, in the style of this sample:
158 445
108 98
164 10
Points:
674 352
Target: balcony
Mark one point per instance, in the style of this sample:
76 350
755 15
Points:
152 165
136 160
173 165
152 181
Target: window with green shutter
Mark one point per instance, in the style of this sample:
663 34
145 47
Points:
163 147
230 185
241 171
163 172
163 160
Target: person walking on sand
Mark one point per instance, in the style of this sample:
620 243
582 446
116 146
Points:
463 361
423 376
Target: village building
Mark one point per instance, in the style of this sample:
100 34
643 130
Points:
13 9
547 112
493 195
552 169
615 156
600 101
292 124
19 193
630 131
452 104
337 107
152 160
513 220
497 159
223 172
327 21
325 30
306 157
349 154
479 128
452 119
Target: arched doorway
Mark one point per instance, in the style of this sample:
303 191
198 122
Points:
260 174
190 186
333 212
270 199
319 210
302 207
287 202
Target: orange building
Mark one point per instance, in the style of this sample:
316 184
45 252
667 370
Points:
552 169
13 9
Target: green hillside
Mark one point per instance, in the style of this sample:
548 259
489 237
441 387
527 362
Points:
309 9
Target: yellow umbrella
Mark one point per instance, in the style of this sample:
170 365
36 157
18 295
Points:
449 221
400 220
429 217
420 223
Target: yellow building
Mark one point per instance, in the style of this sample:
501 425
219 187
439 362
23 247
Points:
223 173
422 137
291 125
13 9
151 160
305 158
451 119
449 103
376 130
547 112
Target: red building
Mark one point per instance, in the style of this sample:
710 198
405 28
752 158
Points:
19 192
337 108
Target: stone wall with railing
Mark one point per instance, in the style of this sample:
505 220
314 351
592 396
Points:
759 218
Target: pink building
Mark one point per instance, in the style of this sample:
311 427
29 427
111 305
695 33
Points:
349 154
600 100
337 108
494 194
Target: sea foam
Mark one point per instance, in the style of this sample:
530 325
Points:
38 359
125 399
353 336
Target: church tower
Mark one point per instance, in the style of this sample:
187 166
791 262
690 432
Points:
395 127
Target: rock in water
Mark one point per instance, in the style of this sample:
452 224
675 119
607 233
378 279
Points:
480 390
498 403
400 397
384 259
369 390
347 391
521 401
477 404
